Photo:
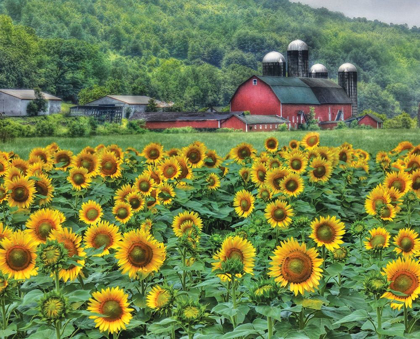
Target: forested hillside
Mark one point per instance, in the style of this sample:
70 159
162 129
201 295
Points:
195 52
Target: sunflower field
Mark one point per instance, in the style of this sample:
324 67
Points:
298 241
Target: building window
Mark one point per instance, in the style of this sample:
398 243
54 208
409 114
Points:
275 126
254 82
265 126
260 126
293 119
271 126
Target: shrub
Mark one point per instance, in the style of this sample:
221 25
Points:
135 127
8 130
78 127
226 130
44 127
341 125
177 130
282 128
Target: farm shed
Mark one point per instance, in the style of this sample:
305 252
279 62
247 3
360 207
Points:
131 103
163 120
13 102
367 119
255 123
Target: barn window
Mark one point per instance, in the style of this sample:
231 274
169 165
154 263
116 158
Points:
293 119
271 126
254 82
260 126
265 126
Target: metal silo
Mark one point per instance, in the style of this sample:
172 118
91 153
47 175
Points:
347 79
318 71
274 64
297 59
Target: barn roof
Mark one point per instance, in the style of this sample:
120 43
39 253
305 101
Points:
261 119
27 94
306 91
180 116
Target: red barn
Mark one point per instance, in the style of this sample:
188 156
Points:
291 98
367 119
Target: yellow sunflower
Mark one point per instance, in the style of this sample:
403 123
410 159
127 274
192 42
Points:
293 263
279 213
21 164
13 173
321 171
4 166
403 146
41 153
102 234
91 212
183 217
292 185
140 253
122 212
153 152
154 173
144 184
3 194
122 193
72 243
18 256
258 173
399 180
79 178
166 193
88 161
235 247
388 212
379 239
245 174
41 223
212 160
111 308
243 203
195 154
407 242
22 192
186 171
136 201
117 151
5 232
173 152
274 163
264 193
271 144
63 159
404 276
159 298
44 187
376 199
169 169
294 144
327 232
296 161
310 140
213 181
415 182
110 165
153 199
275 177
242 152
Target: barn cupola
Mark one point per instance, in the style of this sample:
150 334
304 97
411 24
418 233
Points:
274 64
347 79
318 71
297 59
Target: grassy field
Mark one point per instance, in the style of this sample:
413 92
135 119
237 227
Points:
369 140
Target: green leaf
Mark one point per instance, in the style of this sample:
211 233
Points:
355 316
268 311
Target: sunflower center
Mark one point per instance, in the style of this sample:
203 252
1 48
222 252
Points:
64 159
140 254
51 254
170 171
261 175
44 229
271 144
211 181
293 145
18 258
236 254
153 154
162 298
144 186
86 163
194 156
378 204
69 246
291 185
343 156
41 188
274 164
135 203
245 205
279 214
406 244
378 241
210 161
319 171
112 310
245 175
244 153
297 267
296 164
92 214
312 141
1 167
416 184
265 194
122 213
102 239
79 178
386 212
399 185
2 194
20 193
406 282
325 233
108 165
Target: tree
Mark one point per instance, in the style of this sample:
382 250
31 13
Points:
151 106
92 93
38 105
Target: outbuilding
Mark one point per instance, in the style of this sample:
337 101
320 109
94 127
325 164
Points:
367 119
13 102
255 123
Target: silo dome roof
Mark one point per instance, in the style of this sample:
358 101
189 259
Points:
347 67
318 68
297 45
274 57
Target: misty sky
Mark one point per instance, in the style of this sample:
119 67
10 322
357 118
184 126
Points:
389 11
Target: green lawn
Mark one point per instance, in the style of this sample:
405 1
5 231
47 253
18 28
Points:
369 140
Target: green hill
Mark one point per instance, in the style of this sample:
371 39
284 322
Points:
196 52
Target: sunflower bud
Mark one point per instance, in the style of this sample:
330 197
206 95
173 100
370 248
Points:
264 291
358 228
52 256
191 312
375 284
340 254
53 306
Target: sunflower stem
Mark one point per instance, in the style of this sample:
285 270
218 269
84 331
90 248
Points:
3 313
57 281
81 281
270 327
234 299
379 315
323 256
406 317
57 329
301 319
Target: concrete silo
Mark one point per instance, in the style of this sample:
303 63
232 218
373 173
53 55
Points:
274 64
318 71
297 59
347 79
